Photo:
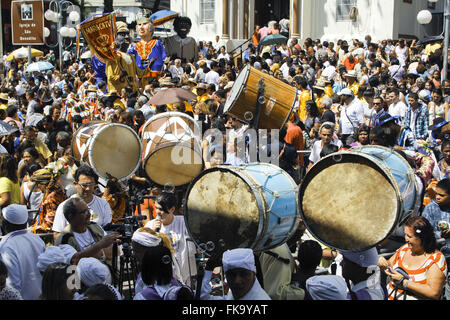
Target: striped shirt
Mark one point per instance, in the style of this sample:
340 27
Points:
418 275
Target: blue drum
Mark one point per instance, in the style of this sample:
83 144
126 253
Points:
251 206
353 200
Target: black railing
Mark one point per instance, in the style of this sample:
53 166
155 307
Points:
239 48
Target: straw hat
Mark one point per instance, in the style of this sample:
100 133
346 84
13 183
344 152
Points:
351 74
4 96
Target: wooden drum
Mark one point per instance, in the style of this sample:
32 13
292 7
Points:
277 105
172 152
109 148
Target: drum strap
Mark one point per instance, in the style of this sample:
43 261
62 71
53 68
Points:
277 256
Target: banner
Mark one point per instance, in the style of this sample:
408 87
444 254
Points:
99 33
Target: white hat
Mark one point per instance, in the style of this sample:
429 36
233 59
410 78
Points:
239 258
91 271
15 214
145 239
364 258
346 91
68 251
51 255
351 73
327 287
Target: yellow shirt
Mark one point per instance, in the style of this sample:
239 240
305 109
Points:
354 87
6 185
203 98
42 148
329 91
430 48
318 104
304 97
3 106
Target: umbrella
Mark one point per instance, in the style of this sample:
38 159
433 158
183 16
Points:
171 96
6 129
39 66
22 53
272 39
162 16
86 55
430 40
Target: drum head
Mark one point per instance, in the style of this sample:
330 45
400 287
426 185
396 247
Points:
116 150
176 164
220 205
348 202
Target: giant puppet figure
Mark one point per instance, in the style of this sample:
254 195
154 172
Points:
147 49
180 45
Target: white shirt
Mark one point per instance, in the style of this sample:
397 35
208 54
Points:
19 250
212 77
351 116
184 250
100 213
84 240
3 150
177 72
317 149
398 109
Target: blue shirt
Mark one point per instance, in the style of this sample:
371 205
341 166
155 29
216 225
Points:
434 214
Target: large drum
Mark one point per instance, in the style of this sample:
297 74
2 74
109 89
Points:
109 148
353 200
253 206
172 149
277 105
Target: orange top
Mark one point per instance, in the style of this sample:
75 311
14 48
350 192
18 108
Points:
294 136
418 275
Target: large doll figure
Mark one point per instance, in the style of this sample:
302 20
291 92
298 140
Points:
180 45
147 49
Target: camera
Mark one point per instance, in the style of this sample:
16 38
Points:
129 226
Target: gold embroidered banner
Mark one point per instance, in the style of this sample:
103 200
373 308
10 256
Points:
99 33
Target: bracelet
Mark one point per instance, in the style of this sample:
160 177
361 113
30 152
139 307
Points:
406 284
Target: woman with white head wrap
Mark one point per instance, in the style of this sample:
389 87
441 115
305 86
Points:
62 253
144 238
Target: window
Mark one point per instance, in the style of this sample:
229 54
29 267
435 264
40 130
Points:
207 11
343 8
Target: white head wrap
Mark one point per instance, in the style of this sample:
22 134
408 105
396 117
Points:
327 287
239 258
364 258
51 255
15 213
146 239
91 271
68 251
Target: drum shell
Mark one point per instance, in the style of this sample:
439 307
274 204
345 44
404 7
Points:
124 154
160 136
396 172
279 99
272 214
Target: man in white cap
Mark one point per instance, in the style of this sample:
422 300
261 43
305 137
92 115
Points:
326 287
240 272
19 250
361 271
352 114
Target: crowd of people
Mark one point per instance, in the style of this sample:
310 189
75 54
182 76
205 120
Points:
55 208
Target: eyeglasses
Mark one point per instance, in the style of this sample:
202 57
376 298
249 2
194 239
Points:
377 103
87 185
